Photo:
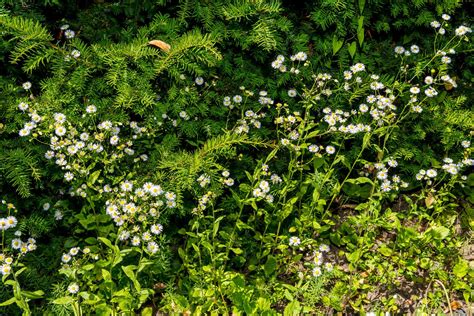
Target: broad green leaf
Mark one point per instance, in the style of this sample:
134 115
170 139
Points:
425 263
270 266
91 240
33 295
131 275
361 6
237 251
461 268
293 308
438 232
107 242
17 273
360 180
239 281
11 282
313 134
263 304
216 226
147 311
8 302
336 46
352 48
384 250
64 300
93 178
106 275
360 36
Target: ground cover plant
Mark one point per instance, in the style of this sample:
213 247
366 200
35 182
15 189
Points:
236 157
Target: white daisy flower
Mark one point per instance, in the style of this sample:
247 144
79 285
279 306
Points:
199 81
23 106
68 176
75 53
330 150
316 272
26 85
24 132
294 241
69 34
91 109
73 288
414 49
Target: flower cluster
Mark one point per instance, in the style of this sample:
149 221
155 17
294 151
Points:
317 261
22 247
16 244
440 27
67 258
462 30
203 202
387 183
333 118
300 56
250 119
290 124
400 50
237 99
203 180
73 150
227 180
428 175
34 120
263 98
137 211
449 167
279 62
262 191
8 222
68 33
6 264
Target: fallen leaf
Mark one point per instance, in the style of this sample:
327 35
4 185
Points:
429 200
160 44
455 305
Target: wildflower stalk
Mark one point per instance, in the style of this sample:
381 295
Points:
348 174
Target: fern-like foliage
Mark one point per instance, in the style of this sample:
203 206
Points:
20 168
182 168
188 53
33 38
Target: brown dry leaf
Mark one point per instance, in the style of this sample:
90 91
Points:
429 200
455 305
160 44
448 85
